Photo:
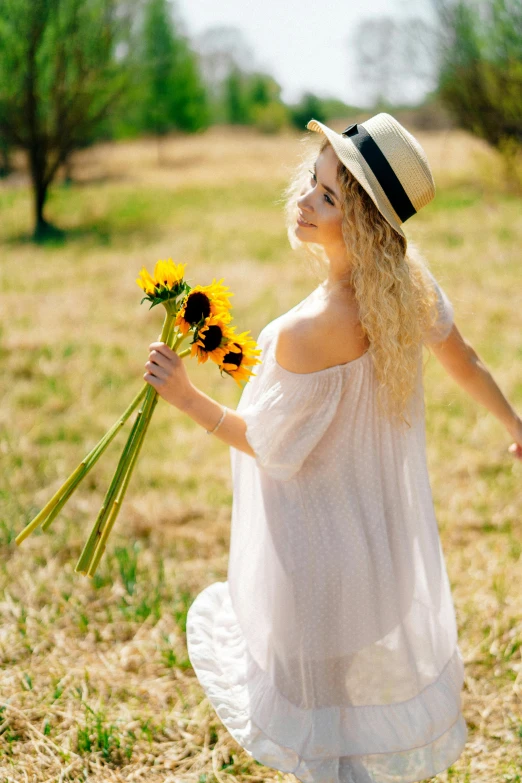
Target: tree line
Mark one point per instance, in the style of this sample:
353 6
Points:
73 72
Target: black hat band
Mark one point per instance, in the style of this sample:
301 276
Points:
382 170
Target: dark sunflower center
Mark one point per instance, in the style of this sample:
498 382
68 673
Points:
212 337
233 358
197 307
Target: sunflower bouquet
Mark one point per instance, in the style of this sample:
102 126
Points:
200 312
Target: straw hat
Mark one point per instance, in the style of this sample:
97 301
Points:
388 162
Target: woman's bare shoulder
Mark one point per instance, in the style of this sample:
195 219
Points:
320 337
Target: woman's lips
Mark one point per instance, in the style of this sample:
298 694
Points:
303 223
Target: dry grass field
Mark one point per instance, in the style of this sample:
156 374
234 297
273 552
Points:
95 682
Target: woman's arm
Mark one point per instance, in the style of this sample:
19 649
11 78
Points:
207 412
167 373
462 362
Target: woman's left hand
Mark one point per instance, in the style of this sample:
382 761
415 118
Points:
167 373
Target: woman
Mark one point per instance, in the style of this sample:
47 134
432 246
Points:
331 650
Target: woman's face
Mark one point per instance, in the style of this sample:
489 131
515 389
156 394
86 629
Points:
319 218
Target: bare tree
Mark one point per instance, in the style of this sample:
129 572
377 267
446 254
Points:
224 55
393 58
221 48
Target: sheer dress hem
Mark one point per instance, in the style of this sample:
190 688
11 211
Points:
394 743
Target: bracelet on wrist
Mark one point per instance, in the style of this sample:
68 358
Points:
209 432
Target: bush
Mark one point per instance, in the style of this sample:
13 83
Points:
271 118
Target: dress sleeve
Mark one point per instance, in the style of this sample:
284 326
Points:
445 315
289 418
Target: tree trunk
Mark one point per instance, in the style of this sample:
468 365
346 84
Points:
5 161
68 178
42 230
39 201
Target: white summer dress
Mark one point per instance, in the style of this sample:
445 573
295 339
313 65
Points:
331 650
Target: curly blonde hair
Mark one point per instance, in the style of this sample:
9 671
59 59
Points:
396 299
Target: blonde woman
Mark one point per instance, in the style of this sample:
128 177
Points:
331 650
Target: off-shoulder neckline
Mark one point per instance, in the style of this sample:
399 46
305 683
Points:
335 367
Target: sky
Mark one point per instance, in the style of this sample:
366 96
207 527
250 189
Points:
304 44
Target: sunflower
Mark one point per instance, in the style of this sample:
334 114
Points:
166 283
168 273
146 282
241 351
211 339
202 302
205 315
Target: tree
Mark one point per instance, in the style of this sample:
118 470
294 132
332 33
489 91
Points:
235 97
173 94
393 59
262 89
480 78
5 158
265 108
310 106
59 78
223 49
157 62
481 68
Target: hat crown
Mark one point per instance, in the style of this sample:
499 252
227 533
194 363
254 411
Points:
406 157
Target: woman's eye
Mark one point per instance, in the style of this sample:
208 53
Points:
327 197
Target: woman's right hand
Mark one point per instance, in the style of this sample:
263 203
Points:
516 433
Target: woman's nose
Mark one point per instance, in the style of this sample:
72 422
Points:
302 200
303 205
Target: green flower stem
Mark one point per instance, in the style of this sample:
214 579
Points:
172 334
95 454
47 509
58 500
115 508
181 339
172 340
184 353
133 443
85 557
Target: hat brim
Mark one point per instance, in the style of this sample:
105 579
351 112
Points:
350 156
